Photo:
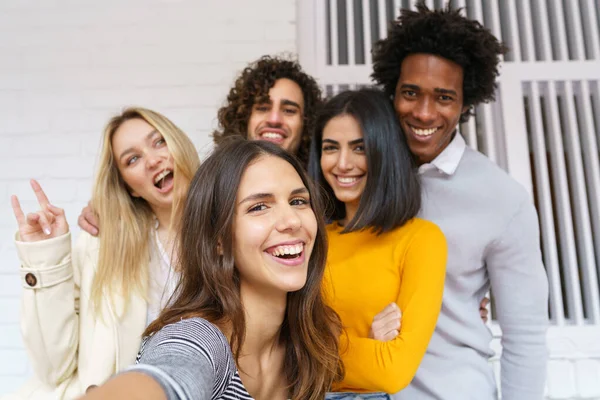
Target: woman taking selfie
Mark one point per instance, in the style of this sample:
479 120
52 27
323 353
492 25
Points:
381 257
84 309
248 319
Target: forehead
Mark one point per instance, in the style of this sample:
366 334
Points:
269 174
429 71
131 132
342 127
286 89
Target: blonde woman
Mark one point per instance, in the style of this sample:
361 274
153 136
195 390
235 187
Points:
84 310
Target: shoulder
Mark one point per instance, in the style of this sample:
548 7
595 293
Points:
196 329
86 243
486 179
191 336
421 229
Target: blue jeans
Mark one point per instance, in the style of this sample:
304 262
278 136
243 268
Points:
357 396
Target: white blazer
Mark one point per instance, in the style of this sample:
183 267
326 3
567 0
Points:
69 348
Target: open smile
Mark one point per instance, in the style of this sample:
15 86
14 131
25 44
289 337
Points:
289 254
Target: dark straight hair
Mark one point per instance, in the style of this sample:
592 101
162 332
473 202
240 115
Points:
209 286
392 194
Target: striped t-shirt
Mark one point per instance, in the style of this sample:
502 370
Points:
191 359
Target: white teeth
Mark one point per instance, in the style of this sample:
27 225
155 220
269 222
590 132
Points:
161 175
272 135
347 179
289 250
424 132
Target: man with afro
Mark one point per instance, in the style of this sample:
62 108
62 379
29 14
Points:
273 99
436 66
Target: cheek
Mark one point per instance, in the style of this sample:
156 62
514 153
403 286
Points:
251 233
309 221
327 164
253 122
296 126
132 177
402 107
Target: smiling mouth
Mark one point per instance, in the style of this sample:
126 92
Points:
423 133
347 181
287 252
273 136
164 179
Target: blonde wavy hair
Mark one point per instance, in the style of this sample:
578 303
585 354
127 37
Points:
126 221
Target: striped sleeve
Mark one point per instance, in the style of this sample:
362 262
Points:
190 359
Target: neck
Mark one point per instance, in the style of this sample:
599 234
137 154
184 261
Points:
164 217
264 316
351 209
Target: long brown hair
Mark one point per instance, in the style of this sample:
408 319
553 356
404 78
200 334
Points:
126 221
210 283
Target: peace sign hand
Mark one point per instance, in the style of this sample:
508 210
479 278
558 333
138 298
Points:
49 222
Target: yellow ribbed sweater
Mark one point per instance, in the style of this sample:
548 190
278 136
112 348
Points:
365 273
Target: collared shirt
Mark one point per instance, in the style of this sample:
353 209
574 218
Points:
447 161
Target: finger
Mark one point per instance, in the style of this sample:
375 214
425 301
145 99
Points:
389 309
39 193
33 219
484 302
391 325
45 223
16 206
86 226
56 211
390 335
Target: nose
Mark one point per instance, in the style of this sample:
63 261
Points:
275 117
153 160
345 161
288 219
424 110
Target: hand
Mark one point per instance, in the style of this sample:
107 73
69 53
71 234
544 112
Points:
49 222
88 221
483 311
386 324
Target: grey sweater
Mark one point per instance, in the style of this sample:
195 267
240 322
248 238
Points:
492 231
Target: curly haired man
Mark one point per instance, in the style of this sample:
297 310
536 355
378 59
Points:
273 100
436 66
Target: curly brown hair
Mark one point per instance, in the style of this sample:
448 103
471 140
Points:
253 86
446 33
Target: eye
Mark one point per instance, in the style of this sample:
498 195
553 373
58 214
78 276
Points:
257 207
299 201
409 93
290 111
261 107
329 148
446 98
160 142
360 148
131 160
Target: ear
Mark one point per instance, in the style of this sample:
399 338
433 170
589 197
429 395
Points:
134 194
465 109
219 248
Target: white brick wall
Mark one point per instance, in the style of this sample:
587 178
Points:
66 66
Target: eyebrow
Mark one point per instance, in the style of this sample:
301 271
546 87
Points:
263 196
437 90
351 143
284 102
131 149
287 102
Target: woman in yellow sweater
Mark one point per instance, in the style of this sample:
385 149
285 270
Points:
380 255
